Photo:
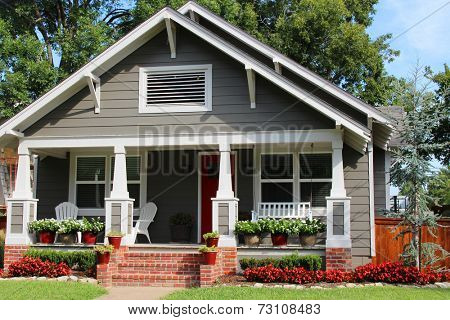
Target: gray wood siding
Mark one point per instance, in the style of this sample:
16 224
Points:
356 176
52 185
379 174
231 105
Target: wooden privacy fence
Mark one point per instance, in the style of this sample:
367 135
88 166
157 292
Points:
389 249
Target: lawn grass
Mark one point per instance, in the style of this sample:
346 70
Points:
48 290
367 293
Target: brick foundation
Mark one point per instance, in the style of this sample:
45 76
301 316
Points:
339 259
13 253
164 269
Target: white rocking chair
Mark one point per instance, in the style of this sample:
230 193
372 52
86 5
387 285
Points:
67 210
146 216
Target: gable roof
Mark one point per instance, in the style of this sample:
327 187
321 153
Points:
356 135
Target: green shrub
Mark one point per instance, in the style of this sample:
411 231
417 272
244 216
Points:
309 262
181 219
82 260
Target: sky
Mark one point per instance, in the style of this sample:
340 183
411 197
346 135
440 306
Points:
420 29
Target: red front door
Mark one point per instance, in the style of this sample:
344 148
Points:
209 183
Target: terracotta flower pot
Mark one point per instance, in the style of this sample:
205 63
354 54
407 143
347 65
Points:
67 238
88 237
47 237
308 240
251 240
212 242
115 241
103 258
210 257
279 239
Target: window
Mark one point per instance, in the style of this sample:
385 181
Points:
175 89
133 177
277 178
90 182
315 178
92 177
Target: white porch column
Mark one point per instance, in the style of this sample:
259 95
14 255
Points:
225 205
21 207
119 206
338 204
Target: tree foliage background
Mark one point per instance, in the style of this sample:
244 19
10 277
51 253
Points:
43 41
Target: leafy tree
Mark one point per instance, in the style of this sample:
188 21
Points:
44 41
439 187
411 167
441 133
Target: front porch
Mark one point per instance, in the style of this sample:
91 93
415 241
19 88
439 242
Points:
216 180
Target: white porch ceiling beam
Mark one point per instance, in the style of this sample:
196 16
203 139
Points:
94 87
251 86
250 138
171 35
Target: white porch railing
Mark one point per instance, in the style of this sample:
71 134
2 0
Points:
282 210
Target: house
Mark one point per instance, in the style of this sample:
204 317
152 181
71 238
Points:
195 115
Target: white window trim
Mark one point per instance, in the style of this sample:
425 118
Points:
284 180
76 182
309 180
108 181
258 181
170 108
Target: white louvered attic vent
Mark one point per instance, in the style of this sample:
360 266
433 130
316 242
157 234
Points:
175 89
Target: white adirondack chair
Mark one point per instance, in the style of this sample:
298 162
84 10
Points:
67 210
146 216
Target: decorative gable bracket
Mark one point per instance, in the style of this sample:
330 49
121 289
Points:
251 86
171 36
94 87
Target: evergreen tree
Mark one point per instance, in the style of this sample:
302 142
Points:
411 168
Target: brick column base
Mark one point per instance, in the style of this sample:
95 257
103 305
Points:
105 272
13 253
226 263
339 259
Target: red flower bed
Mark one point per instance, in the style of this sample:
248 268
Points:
1 273
386 272
29 267
296 275
396 272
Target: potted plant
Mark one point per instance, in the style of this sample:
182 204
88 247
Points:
115 238
212 239
180 227
209 254
250 230
308 231
279 231
45 228
90 229
67 232
103 253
